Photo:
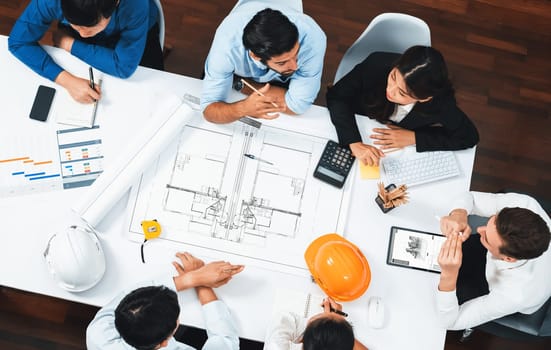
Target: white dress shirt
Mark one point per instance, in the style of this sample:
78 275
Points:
400 112
222 335
286 332
522 286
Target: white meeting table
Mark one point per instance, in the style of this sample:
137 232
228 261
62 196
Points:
29 220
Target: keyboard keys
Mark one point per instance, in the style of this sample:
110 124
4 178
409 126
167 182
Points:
419 168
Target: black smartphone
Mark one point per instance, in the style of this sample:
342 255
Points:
42 103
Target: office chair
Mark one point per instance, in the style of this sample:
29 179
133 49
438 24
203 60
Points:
389 32
516 326
161 24
294 4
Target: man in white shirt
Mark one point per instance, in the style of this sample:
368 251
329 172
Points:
147 318
517 261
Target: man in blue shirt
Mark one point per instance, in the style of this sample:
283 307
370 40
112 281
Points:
280 46
147 317
113 36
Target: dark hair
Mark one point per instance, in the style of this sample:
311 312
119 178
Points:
269 33
328 334
425 72
147 316
87 13
524 233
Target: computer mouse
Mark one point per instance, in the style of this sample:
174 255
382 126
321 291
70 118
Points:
375 312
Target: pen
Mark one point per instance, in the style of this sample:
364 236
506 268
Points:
256 158
338 312
258 92
91 73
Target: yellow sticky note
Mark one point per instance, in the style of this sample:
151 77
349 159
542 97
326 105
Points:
369 172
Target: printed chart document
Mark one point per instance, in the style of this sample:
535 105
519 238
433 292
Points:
414 249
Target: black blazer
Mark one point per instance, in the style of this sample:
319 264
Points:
438 123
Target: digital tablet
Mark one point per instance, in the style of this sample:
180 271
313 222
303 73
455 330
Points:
414 249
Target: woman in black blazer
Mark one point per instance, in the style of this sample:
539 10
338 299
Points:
411 93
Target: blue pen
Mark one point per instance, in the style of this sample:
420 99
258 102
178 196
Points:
258 159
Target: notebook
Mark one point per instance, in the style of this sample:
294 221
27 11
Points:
71 112
298 302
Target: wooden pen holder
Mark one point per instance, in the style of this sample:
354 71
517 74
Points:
390 197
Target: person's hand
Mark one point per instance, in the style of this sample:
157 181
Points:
393 137
63 40
368 155
263 107
79 88
449 259
212 275
329 303
456 222
187 263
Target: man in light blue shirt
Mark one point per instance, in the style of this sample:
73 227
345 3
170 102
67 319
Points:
280 46
147 318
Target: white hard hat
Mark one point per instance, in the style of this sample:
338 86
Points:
75 258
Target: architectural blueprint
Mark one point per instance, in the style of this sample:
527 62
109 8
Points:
266 206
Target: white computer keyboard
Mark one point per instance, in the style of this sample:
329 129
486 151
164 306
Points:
419 168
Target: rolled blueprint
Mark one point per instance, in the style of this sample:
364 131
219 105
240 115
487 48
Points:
154 137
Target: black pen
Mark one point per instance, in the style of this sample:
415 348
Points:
92 84
256 158
338 312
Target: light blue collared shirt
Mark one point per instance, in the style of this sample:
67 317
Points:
228 56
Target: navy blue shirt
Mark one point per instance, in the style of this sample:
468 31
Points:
130 21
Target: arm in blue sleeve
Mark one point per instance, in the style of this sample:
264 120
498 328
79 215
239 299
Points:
305 85
123 60
28 30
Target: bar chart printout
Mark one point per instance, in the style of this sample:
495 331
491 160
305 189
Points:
80 156
30 164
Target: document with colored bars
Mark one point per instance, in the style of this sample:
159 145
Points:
40 162
208 195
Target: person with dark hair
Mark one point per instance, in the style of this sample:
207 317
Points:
148 317
327 330
501 270
113 36
278 51
410 93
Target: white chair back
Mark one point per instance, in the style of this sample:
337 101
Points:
161 23
389 32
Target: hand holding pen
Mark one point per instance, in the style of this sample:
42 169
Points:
259 104
330 305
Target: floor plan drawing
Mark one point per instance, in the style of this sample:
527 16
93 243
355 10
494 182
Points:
237 189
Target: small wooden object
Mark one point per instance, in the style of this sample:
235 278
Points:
391 196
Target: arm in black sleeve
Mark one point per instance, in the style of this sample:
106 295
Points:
456 132
341 101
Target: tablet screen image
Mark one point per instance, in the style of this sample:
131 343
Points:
414 249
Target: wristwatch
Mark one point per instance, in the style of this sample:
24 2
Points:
238 85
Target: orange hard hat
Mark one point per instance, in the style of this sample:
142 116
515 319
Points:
338 267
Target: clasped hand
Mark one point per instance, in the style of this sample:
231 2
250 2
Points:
263 107
193 272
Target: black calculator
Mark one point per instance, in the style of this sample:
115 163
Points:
334 165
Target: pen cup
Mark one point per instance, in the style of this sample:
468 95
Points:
380 202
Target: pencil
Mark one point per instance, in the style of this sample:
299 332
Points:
91 73
258 92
